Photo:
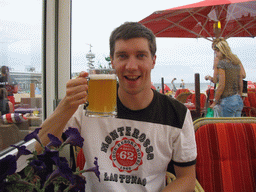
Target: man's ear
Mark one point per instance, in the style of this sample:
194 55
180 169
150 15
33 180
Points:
154 62
112 64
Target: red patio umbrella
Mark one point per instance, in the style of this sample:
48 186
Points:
166 88
207 19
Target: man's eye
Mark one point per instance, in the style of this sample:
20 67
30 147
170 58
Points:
121 56
141 55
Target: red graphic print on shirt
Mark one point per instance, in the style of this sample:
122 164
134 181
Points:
126 155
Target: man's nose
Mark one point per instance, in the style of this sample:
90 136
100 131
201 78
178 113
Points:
132 63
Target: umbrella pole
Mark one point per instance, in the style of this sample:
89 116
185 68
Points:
162 85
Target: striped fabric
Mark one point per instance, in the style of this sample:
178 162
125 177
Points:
13 118
227 157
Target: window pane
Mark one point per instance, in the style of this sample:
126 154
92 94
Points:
20 62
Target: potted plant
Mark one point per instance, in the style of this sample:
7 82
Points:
46 171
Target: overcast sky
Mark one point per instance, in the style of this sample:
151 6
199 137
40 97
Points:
92 23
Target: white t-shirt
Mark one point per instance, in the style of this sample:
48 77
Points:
133 155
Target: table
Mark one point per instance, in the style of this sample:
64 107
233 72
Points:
190 106
26 110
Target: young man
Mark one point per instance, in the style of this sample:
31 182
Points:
151 132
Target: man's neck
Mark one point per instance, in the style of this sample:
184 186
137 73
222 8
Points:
137 101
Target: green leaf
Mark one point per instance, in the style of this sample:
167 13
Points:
38 184
67 189
107 59
29 172
19 186
13 177
62 180
56 187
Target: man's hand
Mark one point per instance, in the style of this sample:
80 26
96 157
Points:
76 91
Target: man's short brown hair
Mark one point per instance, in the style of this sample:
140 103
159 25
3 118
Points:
130 30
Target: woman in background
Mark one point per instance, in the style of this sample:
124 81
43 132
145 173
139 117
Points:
214 78
229 72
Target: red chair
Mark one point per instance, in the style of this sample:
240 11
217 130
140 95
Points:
202 99
250 107
252 99
247 107
226 158
192 97
246 102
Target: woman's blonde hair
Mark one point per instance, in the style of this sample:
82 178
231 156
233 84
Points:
222 45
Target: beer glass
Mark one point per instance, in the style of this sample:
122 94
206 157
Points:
102 91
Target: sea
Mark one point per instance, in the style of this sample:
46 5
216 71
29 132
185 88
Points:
190 86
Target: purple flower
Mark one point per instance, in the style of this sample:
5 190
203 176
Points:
73 137
50 158
79 184
63 160
37 165
8 166
95 169
63 171
54 141
33 135
21 151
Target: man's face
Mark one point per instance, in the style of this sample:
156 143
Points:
133 63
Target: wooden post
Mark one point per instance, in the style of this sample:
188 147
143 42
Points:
32 90
162 85
197 92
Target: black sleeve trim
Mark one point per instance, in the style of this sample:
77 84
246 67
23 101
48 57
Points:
185 164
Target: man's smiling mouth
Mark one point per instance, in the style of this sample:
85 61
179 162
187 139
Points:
132 78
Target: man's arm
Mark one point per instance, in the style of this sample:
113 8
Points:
76 94
185 180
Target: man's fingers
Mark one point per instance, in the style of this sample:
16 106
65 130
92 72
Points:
77 82
77 89
78 98
83 74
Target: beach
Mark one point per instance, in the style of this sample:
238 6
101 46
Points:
190 86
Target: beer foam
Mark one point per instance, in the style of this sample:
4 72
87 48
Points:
102 76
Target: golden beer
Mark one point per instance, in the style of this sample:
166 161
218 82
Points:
102 95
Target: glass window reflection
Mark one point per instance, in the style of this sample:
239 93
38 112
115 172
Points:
20 67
